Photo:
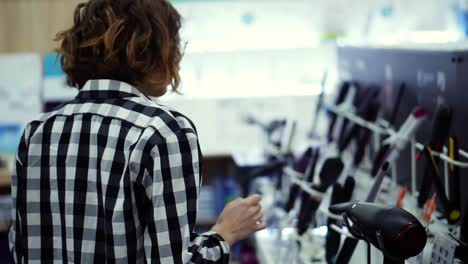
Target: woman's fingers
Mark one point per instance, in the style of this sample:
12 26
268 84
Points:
253 199
260 225
254 210
258 216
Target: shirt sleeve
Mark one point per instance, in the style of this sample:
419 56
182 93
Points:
169 178
17 183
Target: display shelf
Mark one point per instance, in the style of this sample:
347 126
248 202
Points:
272 249
264 243
388 191
391 132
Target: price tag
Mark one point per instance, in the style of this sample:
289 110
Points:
443 251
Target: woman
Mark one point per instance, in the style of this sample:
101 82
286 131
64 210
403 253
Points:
112 176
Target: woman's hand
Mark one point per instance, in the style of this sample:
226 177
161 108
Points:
240 218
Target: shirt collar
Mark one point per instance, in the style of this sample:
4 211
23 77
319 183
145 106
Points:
109 89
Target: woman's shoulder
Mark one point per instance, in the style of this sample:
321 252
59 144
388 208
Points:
168 120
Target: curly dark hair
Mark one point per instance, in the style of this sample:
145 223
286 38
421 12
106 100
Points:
134 41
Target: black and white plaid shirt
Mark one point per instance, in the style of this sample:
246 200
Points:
111 177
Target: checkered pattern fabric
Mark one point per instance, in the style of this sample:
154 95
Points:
110 177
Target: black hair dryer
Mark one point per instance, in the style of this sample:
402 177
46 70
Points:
394 231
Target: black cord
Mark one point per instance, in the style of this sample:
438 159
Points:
368 253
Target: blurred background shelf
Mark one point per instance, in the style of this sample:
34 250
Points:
206 223
5 178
